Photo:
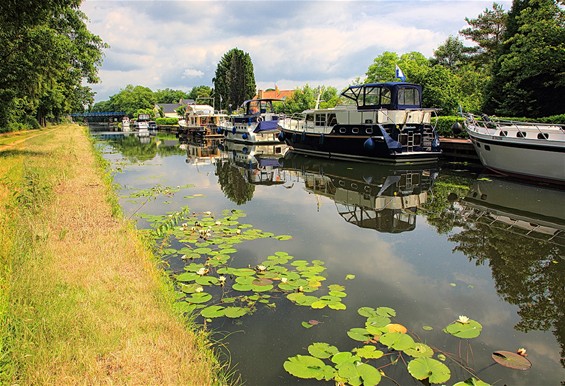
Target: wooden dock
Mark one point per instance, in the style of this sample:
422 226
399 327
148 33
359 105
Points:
459 149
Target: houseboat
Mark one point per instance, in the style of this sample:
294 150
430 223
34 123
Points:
382 122
258 124
201 120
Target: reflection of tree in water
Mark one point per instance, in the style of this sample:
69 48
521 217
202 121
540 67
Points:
134 150
233 184
528 272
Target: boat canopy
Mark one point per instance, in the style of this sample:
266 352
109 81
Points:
200 109
390 95
259 106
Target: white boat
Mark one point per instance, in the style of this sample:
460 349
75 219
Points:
125 124
382 122
528 150
201 120
258 124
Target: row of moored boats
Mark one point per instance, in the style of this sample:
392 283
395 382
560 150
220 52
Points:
385 122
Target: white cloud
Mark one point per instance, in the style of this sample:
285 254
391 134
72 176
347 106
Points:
177 44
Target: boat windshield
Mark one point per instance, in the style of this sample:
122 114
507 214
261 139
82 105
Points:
384 95
257 106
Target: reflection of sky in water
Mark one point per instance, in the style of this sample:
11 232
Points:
415 272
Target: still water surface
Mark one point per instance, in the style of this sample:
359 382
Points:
432 242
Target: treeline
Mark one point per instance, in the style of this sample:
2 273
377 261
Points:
47 54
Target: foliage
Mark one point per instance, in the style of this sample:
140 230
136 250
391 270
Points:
452 54
487 32
167 121
306 98
169 96
233 183
528 78
200 93
234 81
47 53
445 124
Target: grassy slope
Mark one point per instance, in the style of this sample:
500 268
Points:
82 300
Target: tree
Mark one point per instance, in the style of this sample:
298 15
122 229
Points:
234 81
47 53
383 67
451 54
169 96
200 92
528 77
487 31
131 99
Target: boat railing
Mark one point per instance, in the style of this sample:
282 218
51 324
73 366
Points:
508 128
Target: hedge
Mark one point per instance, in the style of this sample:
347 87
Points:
167 121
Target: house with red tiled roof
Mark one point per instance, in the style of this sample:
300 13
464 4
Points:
274 94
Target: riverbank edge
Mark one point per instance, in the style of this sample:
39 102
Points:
42 345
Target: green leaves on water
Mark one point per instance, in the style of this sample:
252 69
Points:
464 328
427 368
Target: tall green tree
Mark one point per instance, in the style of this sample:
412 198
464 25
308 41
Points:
452 54
528 77
47 54
169 96
234 81
487 31
133 98
202 93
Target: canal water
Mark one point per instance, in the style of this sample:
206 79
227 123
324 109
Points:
431 242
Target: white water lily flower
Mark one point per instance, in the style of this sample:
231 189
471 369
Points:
222 279
199 289
207 213
184 225
202 271
522 351
463 319
184 257
261 267
218 223
238 231
284 280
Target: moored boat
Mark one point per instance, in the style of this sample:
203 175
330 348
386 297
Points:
528 150
259 123
382 122
200 120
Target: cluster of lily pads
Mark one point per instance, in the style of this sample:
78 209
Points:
383 342
210 286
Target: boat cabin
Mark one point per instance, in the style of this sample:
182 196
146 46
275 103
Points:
259 106
390 96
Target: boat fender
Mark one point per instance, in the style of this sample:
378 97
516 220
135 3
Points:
280 136
233 130
219 130
456 128
244 136
321 140
369 144
245 150
221 147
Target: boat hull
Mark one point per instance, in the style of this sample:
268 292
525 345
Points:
530 159
353 147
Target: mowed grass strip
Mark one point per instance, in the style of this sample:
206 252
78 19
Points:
83 300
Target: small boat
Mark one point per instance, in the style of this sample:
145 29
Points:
200 120
142 125
259 123
382 122
125 124
385 198
528 150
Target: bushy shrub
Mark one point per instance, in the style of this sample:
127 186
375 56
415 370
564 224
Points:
445 124
167 121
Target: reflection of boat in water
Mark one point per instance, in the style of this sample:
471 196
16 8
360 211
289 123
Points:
529 150
380 197
200 150
520 208
260 164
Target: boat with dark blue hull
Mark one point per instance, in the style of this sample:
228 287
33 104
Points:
382 122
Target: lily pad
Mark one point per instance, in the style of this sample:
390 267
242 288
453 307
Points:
472 382
213 312
428 368
322 350
235 312
198 298
360 334
420 350
397 341
308 367
368 352
468 330
511 360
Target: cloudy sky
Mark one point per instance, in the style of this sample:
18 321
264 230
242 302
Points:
178 44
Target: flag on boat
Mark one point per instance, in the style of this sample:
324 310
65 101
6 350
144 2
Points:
399 74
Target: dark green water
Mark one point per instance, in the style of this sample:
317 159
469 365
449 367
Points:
432 242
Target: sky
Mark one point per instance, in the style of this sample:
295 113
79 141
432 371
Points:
178 44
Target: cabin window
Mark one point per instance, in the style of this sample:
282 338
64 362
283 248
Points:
377 96
309 118
408 96
332 120
521 134
543 135
320 119
503 133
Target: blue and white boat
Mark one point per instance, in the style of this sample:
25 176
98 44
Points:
383 122
258 124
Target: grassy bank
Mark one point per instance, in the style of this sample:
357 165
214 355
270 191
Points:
82 300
